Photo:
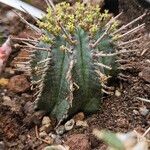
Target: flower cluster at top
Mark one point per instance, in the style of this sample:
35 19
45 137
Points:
88 17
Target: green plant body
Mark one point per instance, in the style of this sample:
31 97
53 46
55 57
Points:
70 76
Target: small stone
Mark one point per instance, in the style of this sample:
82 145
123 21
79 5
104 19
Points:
2 145
82 124
135 112
46 124
60 130
78 142
49 140
46 120
144 111
117 93
69 124
18 84
43 134
80 116
29 107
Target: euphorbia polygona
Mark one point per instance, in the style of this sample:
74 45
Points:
75 58
5 51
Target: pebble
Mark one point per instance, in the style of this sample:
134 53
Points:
135 112
46 125
144 111
18 84
117 93
80 116
78 142
82 124
69 125
28 107
46 120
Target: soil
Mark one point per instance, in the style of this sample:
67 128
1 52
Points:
119 113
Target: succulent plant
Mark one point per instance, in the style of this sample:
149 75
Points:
74 59
69 75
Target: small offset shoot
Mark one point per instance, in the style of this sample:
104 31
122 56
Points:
123 141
